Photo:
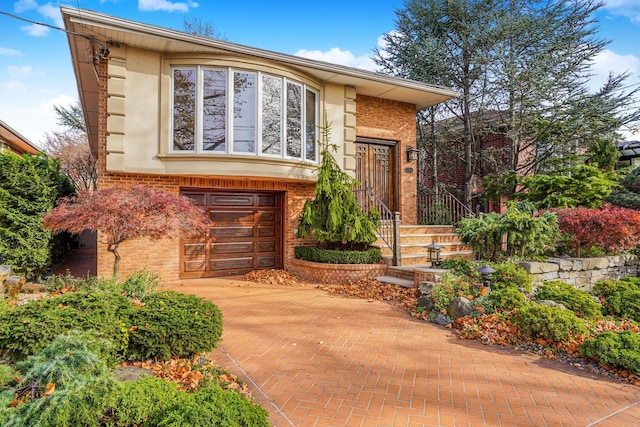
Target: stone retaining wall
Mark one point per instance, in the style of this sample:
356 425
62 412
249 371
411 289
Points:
334 273
582 273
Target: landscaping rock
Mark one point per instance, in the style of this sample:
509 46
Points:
426 301
563 264
13 285
440 319
459 307
532 267
131 373
5 271
550 303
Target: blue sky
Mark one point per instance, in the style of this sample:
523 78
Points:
36 71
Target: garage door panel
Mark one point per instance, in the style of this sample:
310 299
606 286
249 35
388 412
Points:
230 232
266 262
194 249
231 247
232 216
231 263
245 234
266 231
194 265
231 200
267 246
266 200
266 216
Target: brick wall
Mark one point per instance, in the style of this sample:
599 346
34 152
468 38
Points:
334 273
396 121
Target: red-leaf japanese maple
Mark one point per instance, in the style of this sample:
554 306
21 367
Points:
612 228
120 213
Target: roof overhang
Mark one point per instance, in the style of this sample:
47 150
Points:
15 140
629 150
88 29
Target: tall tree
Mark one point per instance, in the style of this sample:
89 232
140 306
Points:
522 67
71 148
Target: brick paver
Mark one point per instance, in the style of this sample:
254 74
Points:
316 360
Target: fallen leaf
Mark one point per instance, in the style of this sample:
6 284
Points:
51 387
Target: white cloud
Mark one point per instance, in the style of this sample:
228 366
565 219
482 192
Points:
627 8
609 61
19 72
165 5
13 86
24 5
338 56
34 120
9 52
35 30
52 12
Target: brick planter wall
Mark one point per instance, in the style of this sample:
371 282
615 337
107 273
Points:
334 273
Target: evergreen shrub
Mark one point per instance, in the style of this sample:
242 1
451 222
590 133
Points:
548 323
173 324
618 349
333 256
509 274
624 304
27 329
574 299
507 298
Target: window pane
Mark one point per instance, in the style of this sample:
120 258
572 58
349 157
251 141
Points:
310 123
271 115
184 110
244 112
214 102
294 120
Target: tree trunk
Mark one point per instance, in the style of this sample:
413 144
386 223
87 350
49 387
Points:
113 248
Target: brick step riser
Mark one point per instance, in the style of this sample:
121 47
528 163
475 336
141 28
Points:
407 275
423 229
437 238
415 250
422 260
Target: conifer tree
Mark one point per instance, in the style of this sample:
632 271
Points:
334 218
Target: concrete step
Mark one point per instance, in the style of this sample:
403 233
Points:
411 248
396 281
425 229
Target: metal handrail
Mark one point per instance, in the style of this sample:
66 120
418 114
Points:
441 208
369 201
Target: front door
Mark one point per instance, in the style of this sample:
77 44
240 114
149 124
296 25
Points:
376 168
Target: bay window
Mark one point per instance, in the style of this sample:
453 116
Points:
239 112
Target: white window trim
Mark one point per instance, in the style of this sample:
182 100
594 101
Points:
229 142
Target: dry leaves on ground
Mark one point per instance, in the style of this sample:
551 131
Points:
273 277
188 374
374 290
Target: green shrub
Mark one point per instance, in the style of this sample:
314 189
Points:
27 329
576 300
450 288
73 364
331 256
549 323
461 267
608 288
7 373
621 350
151 402
510 274
624 304
137 285
507 298
173 324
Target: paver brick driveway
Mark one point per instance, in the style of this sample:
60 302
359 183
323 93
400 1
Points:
316 360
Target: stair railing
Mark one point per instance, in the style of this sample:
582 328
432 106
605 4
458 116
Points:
389 230
440 208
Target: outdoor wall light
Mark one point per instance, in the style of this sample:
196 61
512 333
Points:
486 272
433 253
412 153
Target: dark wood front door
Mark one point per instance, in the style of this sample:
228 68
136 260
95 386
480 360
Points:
245 234
376 168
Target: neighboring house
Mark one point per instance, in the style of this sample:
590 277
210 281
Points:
11 140
235 129
629 153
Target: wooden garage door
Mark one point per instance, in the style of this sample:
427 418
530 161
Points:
245 234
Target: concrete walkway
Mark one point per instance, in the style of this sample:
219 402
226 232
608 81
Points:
316 360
